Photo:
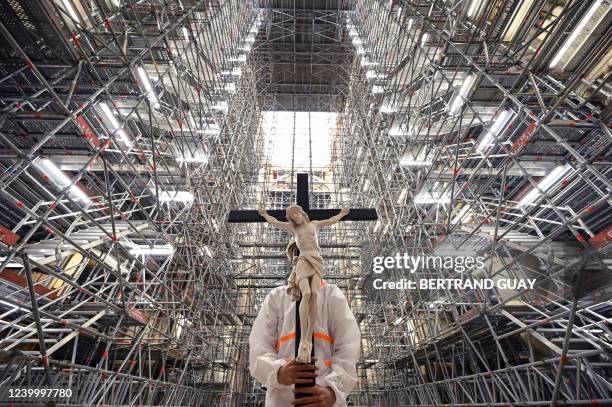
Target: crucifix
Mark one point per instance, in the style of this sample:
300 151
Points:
309 260
249 216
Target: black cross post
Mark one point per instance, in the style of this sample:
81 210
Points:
249 216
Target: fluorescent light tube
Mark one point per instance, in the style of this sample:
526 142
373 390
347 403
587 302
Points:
110 116
162 250
371 75
377 226
426 200
221 106
185 33
398 129
115 125
424 39
175 196
462 214
420 161
459 99
11 264
366 185
60 179
365 62
546 184
431 198
208 252
71 11
402 196
209 132
388 108
192 159
146 84
474 6
409 162
495 130
255 27
570 40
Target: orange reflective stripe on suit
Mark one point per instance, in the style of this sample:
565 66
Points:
291 336
285 338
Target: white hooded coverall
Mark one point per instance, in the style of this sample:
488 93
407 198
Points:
337 344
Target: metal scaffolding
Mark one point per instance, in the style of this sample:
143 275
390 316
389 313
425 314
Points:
473 141
123 125
129 129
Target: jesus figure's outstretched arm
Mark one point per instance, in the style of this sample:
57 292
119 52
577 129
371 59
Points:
272 220
333 220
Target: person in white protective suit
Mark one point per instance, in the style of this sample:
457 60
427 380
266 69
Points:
337 346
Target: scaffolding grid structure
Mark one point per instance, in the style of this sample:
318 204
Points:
129 129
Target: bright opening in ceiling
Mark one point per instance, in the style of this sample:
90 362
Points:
299 137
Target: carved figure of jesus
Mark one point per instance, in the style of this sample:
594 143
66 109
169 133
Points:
307 271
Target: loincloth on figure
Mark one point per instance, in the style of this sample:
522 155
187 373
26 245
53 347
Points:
307 266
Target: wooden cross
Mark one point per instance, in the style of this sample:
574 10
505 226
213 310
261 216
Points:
249 216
